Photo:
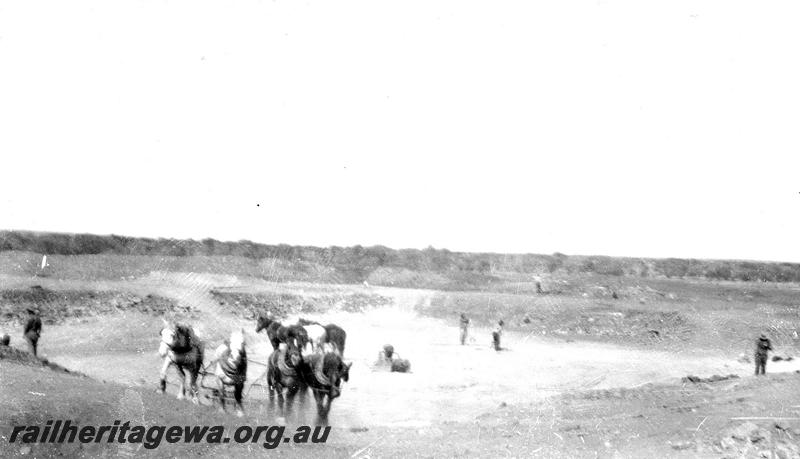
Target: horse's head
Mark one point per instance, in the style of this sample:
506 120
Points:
175 337
167 335
336 371
293 356
183 338
237 344
262 322
346 371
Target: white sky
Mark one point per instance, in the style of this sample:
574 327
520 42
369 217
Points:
641 128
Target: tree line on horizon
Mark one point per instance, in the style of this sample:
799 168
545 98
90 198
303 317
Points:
358 262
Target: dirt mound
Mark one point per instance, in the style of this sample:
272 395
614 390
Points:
249 305
640 326
750 440
57 305
548 315
642 294
11 354
16 355
659 420
715 378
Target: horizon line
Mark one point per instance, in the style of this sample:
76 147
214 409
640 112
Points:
743 260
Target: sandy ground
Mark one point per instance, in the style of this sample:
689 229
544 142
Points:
542 397
448 382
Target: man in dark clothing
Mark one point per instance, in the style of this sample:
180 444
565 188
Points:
464 325
388 353
33 330
763 346
496 334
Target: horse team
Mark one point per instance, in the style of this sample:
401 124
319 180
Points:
305 355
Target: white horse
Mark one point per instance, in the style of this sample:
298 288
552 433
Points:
180 347
231 368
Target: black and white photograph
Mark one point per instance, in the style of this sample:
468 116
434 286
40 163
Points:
377 229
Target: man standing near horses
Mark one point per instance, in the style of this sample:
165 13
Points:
32 330
464 325
496 334
763 346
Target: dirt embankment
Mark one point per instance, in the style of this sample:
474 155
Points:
671 324
248 305
574 318
628 324
33 395
690 420
12 355
55 306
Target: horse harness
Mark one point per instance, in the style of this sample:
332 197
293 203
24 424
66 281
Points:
283 366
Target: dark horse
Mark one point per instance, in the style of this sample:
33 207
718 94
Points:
334 335
292 335
324 374
180 347
283 373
